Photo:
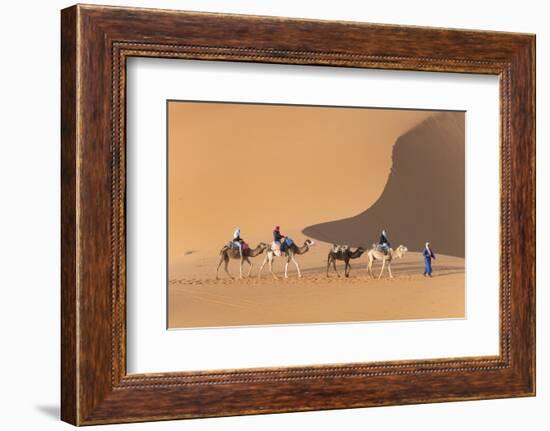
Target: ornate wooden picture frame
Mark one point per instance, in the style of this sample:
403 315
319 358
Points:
96 41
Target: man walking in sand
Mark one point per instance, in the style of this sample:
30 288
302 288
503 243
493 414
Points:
428 256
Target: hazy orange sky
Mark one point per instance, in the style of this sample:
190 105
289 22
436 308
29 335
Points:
255 166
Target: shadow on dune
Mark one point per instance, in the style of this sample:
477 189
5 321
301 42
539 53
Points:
423 199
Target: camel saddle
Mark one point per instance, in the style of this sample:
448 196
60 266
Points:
233 245
340 248
382 249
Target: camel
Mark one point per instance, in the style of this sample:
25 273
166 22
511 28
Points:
375 254
345 255
227 253
289 254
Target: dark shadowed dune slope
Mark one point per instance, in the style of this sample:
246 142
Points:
423 199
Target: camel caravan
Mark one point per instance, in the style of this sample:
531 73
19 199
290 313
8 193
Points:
284 247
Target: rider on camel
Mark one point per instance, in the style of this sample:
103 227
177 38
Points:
384 242
238 241
278 239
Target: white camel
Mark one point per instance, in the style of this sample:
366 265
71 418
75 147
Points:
376 254
289 254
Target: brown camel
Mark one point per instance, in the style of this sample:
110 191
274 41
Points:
375 254
289 254
344 255
227 253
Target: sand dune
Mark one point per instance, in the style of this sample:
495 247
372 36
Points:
423 199
255 166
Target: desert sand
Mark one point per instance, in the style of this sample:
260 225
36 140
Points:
316 172
197 299
257 166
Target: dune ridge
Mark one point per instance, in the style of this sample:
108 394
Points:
424 197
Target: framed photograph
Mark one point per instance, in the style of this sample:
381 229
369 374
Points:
263 214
